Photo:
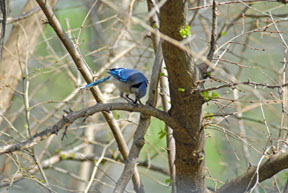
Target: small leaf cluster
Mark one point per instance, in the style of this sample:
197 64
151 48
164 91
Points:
208 116
185 31
209 95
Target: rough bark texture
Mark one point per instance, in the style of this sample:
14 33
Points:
3 24
15 52
186 107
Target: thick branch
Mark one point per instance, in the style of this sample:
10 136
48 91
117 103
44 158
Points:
243 183
67 120
186 106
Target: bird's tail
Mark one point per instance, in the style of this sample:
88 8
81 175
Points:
95 83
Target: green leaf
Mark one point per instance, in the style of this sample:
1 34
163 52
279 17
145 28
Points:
162 74
185 31
223 33
103 162
209 96
63 156
205 95
168 181
155 26
215 95
181 89
208 116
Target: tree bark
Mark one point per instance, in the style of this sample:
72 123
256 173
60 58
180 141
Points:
186 106
20 44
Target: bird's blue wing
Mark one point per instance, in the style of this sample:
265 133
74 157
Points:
122 74
137 78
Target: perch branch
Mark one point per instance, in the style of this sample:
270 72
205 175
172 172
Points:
72 116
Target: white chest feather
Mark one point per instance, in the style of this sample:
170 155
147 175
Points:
122 86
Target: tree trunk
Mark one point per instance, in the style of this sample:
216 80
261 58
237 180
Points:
186 106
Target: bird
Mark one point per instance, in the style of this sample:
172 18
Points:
128 81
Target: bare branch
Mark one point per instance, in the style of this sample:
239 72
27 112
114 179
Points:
67 120
213 31
231 2
248 83
272 166
213 40
23 15
75 156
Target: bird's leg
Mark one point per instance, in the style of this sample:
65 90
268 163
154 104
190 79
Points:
126 97
130 99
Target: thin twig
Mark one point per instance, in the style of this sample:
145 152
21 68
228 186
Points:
29 13
257 169
280 34
26 83
164 90
96 167
230 2
249 83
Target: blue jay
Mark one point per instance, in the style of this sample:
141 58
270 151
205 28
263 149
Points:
127 81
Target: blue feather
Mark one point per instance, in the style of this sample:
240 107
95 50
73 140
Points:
96 82
128 81
122 74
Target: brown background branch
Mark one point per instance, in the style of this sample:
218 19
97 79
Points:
246 181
